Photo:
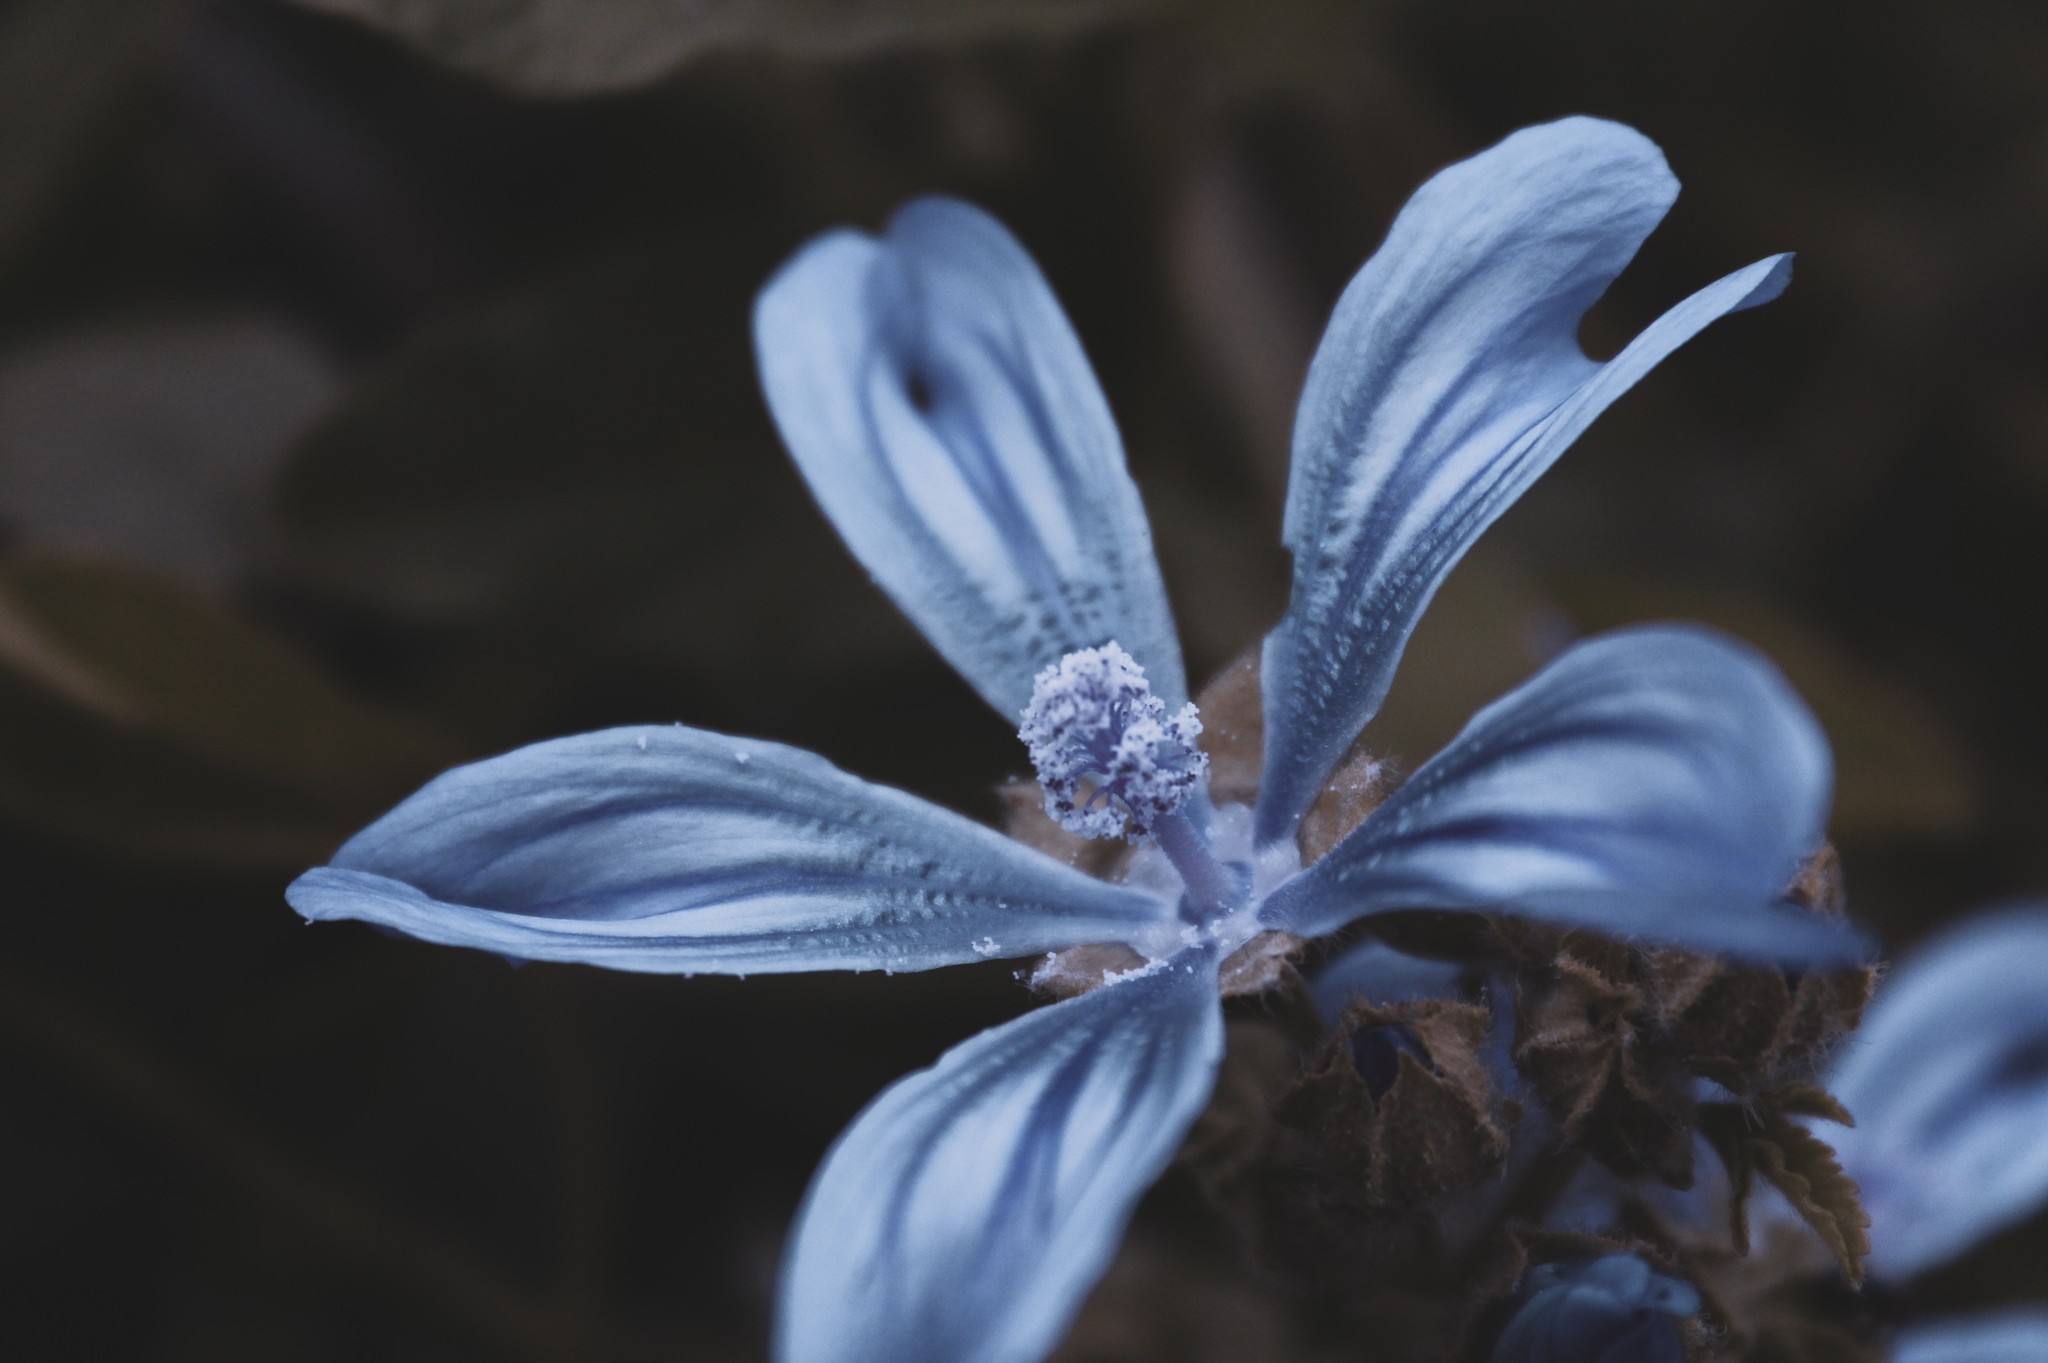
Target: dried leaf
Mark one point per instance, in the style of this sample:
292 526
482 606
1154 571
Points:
1263 964
1811 1100
1392 1143
1233 735
1727 1128
1805 1170
1762 1137
1080 970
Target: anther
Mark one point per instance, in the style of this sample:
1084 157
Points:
1111 760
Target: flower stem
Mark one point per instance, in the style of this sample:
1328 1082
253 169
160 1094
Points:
1212 890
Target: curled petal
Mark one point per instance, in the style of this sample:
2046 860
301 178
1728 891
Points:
1449 379
1661 782
2003 1337
964 1216
675 850
1948 1082
939 406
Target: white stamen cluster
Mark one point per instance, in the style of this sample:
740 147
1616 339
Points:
1110 758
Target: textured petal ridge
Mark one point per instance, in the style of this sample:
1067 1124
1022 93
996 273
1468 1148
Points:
1946 1082
963 1217
1449 379
1662 782
939 405
676 850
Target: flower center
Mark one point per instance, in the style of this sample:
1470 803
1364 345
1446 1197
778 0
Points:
1114 763
1111 760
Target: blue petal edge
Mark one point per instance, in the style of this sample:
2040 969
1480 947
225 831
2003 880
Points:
1449 379
1996 1337
964 1216
1377 972
1945 1081
939 405
1662 782
680 851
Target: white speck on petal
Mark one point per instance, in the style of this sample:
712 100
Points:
985 947
1136 972
741 757
642 741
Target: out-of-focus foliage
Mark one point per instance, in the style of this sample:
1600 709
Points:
139 715
574 47
158 443
63 64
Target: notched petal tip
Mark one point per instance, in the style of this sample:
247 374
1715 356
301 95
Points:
1449 379
939 406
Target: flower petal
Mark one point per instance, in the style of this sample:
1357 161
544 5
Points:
675 850
1376 971
1948 1081
2001 1337
1661 782
1614 1309
1449 379
964 1216
939 405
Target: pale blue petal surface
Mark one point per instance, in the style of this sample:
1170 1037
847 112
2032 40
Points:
671 849
965 1215
1449 379
1376 972
1613 1309
939 405
1661 782
2003 1337
1948 1081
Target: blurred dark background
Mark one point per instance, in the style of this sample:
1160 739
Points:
368 402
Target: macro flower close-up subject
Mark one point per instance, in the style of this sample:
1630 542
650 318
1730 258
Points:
1658 785
925 681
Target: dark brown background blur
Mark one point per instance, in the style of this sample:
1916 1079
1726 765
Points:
363 409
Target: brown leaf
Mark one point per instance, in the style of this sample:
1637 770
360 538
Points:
1810 1100
1234 730
1080 970
1233 734
1569 1038
1805 1170
1431 1130
1260 965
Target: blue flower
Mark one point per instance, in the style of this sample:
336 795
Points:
1661 782
1613 1309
